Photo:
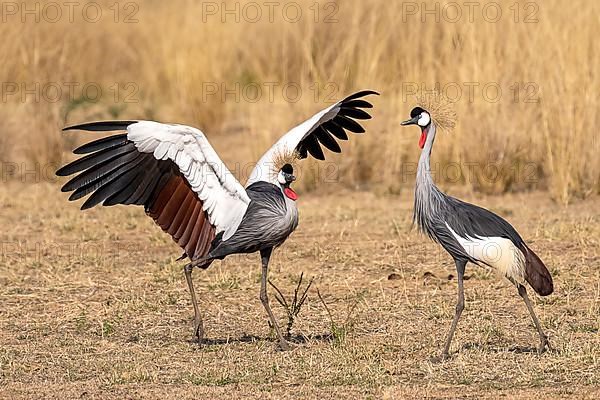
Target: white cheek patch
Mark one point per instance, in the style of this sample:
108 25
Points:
281 178
424 120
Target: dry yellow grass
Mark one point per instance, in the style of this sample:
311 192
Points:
539 133
94 306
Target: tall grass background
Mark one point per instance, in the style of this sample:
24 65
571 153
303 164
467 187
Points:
175 53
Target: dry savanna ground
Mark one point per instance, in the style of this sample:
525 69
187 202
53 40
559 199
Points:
94 306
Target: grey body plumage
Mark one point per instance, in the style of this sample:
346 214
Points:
468 233
270 219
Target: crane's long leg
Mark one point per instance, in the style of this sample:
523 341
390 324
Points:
544 343
264 298
198 325
460 305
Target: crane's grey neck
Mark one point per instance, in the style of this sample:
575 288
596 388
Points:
428 199
424 168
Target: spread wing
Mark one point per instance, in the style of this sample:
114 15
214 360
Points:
323 129
172 170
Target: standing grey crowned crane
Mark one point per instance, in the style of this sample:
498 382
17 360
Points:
473 234
177 176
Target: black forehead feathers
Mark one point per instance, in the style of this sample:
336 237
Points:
416 112
287 169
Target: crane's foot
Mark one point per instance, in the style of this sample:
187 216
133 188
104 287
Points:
199 331
544 345
284 346
439 359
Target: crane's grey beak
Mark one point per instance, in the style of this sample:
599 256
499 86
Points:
289 178
412 121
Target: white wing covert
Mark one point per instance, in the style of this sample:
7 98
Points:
224 198
172 170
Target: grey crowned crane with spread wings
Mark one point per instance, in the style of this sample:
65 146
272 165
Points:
473 234
173 171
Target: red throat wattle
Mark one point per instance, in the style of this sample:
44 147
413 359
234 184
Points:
423 138
290 193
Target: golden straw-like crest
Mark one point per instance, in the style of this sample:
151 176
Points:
439 107
285 156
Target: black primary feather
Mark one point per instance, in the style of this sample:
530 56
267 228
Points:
101 126
362 93
354 113
327 132
100 144
100 183
118 183
336 130
349 124
313 147
113 171
327 140
93 159
98 171
357 104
